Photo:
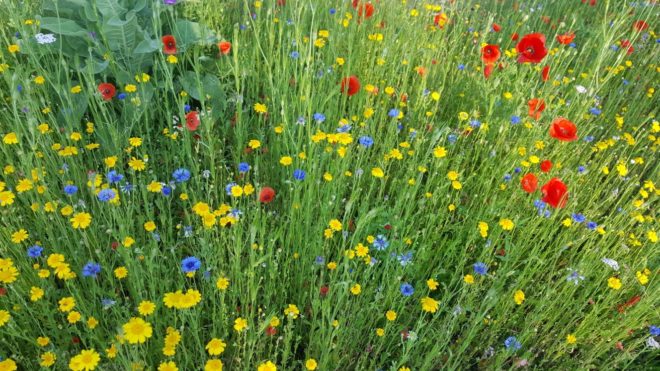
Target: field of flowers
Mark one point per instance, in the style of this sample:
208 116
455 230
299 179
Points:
329 185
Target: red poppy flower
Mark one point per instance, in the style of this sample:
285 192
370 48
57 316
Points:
640 26
350 85
591 2
364 10
566 38
490 54
531 48
626 44
514 37
529 183
536 107
496 27
545 73
225 47
563 129
107 90
192 120
271 331
555 193
169 44
266 195
545 165
440 20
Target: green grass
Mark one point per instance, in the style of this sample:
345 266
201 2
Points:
280 253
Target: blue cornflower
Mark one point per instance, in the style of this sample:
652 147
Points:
475 123
581 169
333 11
294 54
654 330
578 218
186 108
393 112
366 141
452 138
70 189
461 67
243 167
344 128
181 175
589 138
299 174
121 96
319 260
507 177
381 243
187 231
319 117
407 289
592 225
91 269
405 259
595 111
480 268
190 264
127 188
515 120
517 170
166 191
511 343
35 251
107 303
106 195
114 177
574 277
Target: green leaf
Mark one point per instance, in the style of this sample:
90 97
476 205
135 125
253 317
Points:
147 46
186 33
94 66
62 26
110 8
119 34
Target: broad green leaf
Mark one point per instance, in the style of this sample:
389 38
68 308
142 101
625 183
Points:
110 8
186 33
147 46
121 34
62 26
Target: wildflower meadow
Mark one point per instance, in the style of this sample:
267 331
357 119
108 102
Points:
329 185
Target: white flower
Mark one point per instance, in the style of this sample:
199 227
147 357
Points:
581 89
612 263
651 343
48 38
